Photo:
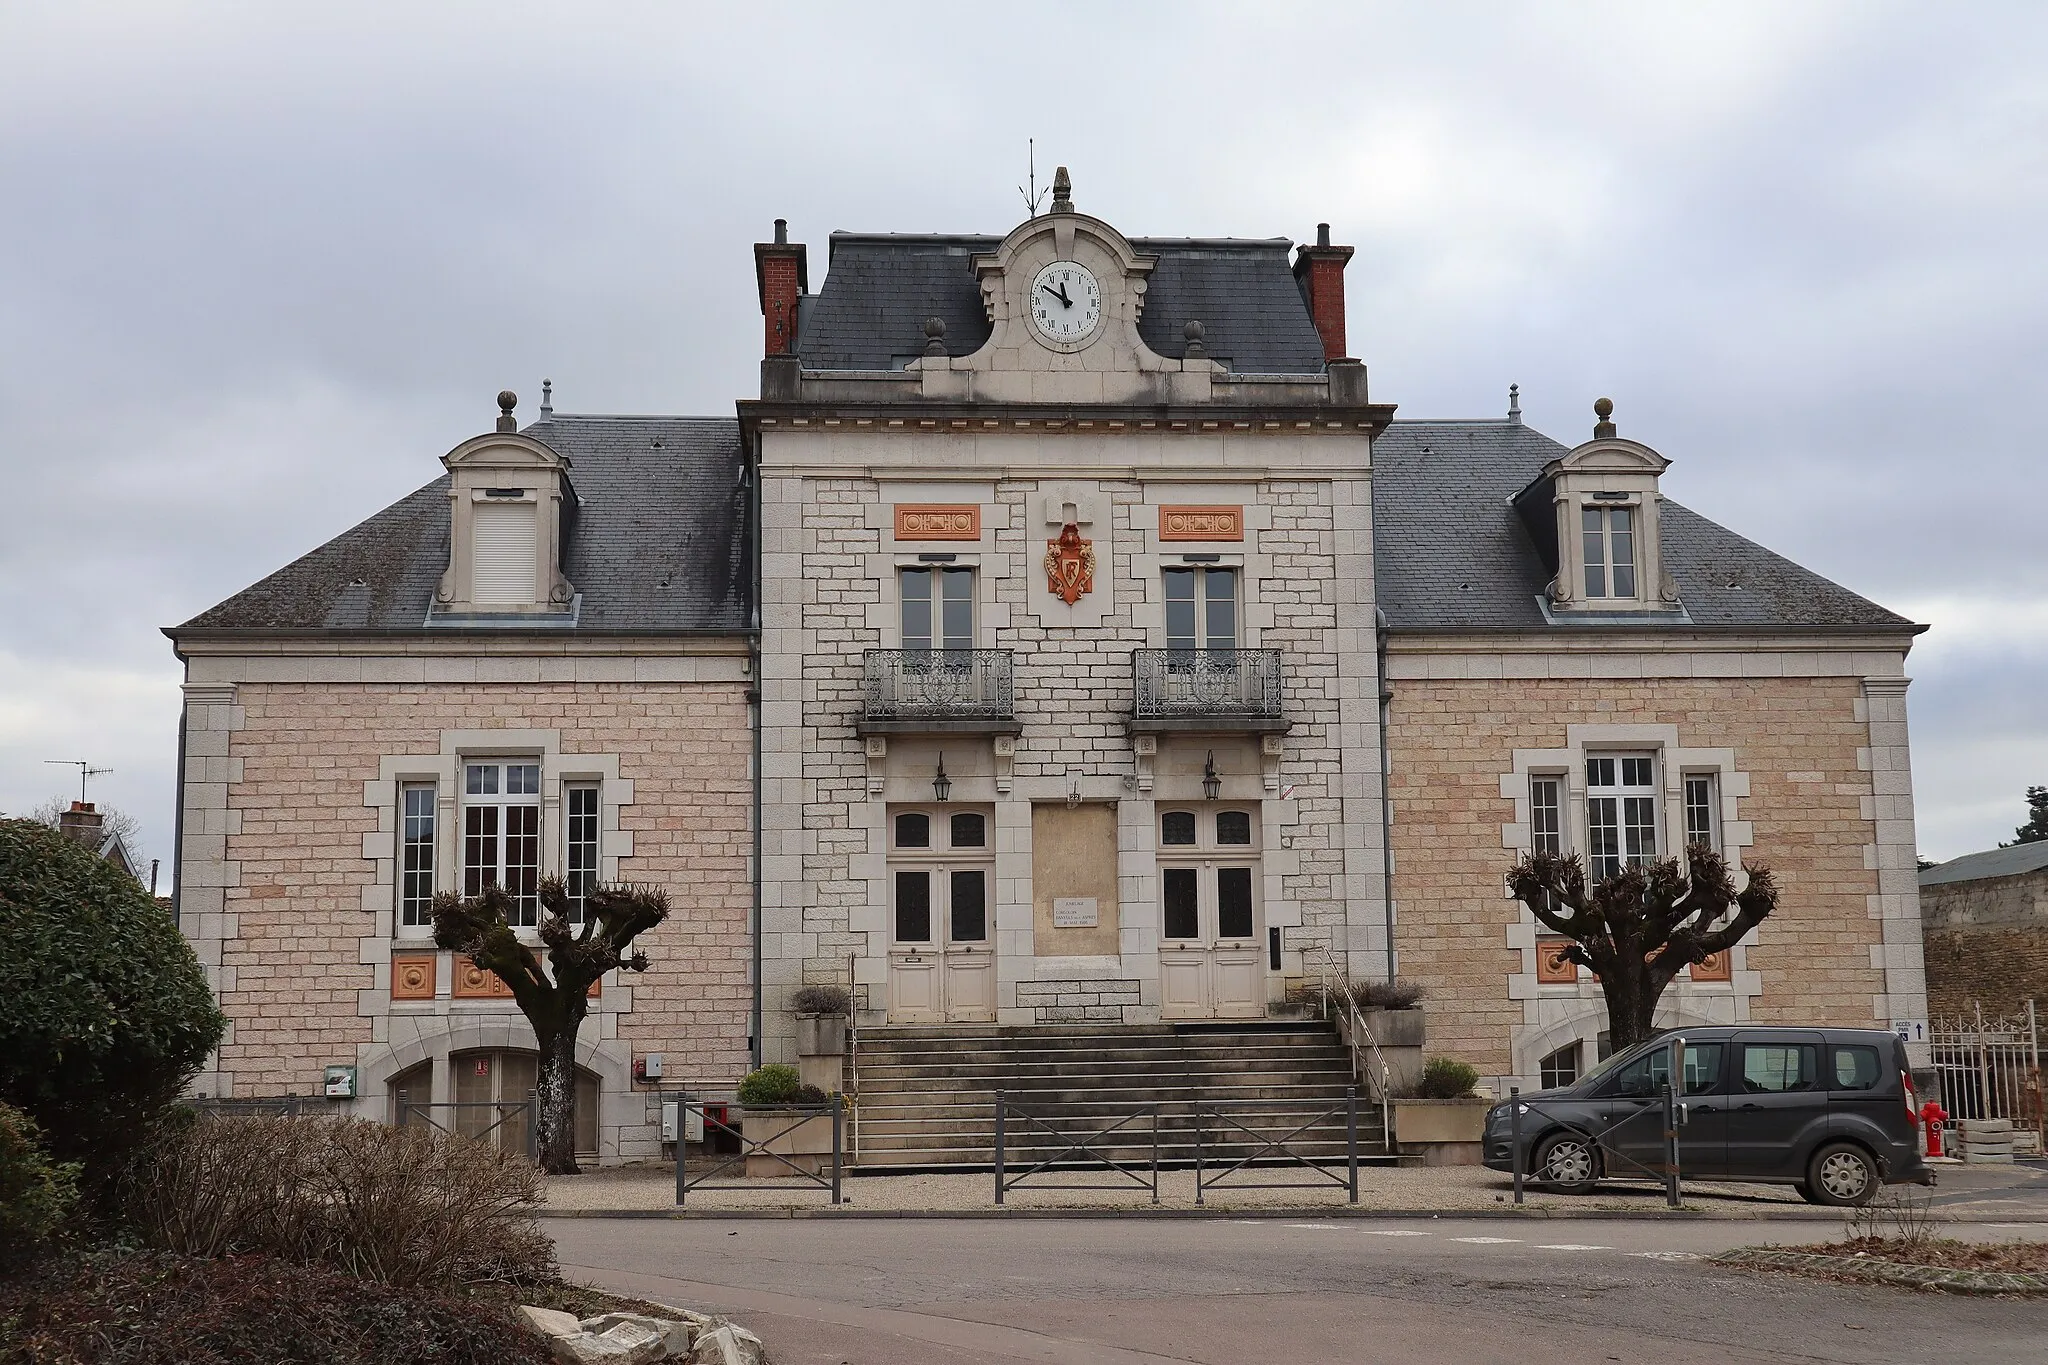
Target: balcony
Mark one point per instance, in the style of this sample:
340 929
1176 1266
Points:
1216 690
938 691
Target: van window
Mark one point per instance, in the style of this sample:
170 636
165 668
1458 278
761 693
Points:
1856 1068
1646 1074
1775 1068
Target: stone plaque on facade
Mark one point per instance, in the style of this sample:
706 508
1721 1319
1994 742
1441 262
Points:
1074 912
933 521
1201 523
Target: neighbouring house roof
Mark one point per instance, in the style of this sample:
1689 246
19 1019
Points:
1450 552
880 288
1996 862
659 543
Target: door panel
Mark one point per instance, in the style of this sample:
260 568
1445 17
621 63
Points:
970 985
941 968
1183 983
1238 982
1776 1097
914 988
1635 1113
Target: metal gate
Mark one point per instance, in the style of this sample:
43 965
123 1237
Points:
1991 1069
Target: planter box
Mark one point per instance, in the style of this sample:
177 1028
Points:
1440 1120
1395 1028
805 1140
820 1035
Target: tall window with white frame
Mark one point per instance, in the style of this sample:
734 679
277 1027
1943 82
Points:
1621 811
938 608
1610 546
1702 811
501 834
579 853
1546 813
416 855
1201 609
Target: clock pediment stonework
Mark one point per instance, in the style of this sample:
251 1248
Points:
1089 284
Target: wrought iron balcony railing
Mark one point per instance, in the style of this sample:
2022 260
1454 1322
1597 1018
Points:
1207 684
938 685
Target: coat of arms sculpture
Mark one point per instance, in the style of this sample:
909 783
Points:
1069 565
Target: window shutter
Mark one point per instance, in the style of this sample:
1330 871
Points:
504 553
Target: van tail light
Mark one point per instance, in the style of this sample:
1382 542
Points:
1906 1084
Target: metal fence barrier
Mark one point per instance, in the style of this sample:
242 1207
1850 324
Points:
268 1106
800 1114
1666 1171
1270 1152
1081 1146
468 1118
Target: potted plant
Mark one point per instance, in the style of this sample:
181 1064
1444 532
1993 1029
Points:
821 1014
1444 1121
774 1102
1392 1010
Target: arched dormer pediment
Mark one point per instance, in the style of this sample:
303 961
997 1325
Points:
511 509
1609 455
1024 361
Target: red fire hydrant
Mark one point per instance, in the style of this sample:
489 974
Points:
1933 1116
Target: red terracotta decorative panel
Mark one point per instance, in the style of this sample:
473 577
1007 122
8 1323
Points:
1714 967
412 976
1552 967
1201 523
474 983
938 521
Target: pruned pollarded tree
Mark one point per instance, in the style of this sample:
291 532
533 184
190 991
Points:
554 999
1641 926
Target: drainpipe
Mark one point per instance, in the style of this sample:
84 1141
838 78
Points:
756 1042
1386 796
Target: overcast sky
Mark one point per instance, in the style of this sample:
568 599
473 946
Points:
261 265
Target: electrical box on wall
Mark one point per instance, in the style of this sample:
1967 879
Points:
339 1083
690 1120
648 1068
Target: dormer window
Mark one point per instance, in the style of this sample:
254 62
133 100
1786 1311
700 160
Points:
1610 550
510 510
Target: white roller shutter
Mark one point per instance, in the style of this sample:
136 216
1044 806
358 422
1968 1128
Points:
504 554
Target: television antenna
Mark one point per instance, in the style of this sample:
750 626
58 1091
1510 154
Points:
1034 196
85 771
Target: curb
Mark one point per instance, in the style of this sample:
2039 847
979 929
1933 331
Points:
1939 1278
1315 1211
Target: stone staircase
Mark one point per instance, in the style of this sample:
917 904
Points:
926 1096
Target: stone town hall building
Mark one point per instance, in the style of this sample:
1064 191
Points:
1029 652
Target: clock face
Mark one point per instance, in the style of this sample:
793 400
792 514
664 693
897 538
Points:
1066 303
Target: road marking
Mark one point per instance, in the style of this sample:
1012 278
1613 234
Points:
1571 1246
1668 1255
1392 1232
1487 1241
1316 1227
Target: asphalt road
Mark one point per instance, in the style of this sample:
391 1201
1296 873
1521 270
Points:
1142 1291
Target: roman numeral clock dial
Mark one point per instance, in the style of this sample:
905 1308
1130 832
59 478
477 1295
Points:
1066 303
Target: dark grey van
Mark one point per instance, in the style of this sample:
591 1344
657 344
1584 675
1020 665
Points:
1826 1110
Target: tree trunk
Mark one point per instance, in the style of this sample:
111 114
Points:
1631 1003
557 1094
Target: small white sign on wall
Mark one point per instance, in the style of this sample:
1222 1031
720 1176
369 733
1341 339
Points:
1074 912
1910 1030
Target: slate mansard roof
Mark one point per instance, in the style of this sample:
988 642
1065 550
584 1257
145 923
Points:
1450 553
659 544
880 288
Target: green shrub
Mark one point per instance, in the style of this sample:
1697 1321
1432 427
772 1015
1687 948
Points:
108 1016
404 1206
37 1196
820 1000
1446 1078
156 1308
771 1084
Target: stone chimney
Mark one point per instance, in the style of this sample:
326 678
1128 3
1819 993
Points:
83 823
1319 270
782 273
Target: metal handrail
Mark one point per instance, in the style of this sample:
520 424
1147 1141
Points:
852 1061
1334 970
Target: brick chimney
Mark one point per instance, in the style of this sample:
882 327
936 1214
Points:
782 273
1319 270
83 823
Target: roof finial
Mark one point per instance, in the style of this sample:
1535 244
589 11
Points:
1515 404
1062 192
1603 408
934 335
1193 333
507 400
547 397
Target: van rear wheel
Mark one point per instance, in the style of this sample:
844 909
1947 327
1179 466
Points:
1568 1162
1842 1175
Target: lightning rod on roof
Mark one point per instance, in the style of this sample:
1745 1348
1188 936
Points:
1034 196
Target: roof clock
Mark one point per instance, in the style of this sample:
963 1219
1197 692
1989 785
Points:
1066 303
